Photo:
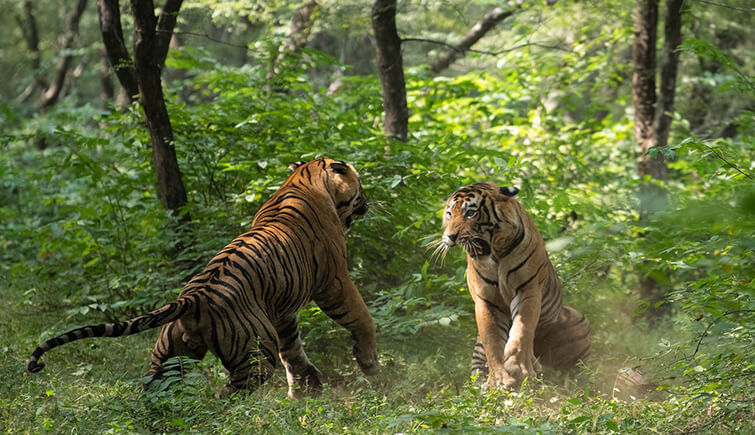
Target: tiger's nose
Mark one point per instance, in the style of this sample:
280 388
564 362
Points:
449 239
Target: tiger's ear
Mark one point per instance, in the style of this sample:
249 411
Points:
339 167
293 165
509 191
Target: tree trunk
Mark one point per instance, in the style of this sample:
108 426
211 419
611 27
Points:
298 32
643 77
115 46
149 56
52 93
669 67
391 69
653 115
489 21
107 90
29 29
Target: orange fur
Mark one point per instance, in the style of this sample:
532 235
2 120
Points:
242 306
520 317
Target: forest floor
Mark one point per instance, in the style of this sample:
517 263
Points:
95 386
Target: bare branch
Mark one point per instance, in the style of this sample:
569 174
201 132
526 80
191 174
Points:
165 25
28 25
52 93
490 20
298 33
491 53
115 46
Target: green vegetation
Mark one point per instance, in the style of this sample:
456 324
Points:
84 238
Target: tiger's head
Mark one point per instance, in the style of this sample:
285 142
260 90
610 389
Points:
341 181
477 217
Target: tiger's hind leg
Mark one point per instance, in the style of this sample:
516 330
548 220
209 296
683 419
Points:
565 342
249 352
174 340
303 377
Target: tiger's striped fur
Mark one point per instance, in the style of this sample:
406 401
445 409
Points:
242 307
521 320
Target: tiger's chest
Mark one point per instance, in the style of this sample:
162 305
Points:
485 279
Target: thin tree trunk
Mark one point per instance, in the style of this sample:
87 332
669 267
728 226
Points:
115 46
653 116
107 89
298 32
391 69
669 66
643 76
149 56
29 29
488 22
53 92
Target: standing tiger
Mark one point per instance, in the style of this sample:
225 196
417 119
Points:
242 307
517 294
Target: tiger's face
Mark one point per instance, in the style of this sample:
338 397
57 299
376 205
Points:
474 214
342 183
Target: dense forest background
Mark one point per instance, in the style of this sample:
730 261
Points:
652 233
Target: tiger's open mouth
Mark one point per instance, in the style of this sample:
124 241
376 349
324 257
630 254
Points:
362 209
476 247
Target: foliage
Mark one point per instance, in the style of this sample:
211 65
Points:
85 239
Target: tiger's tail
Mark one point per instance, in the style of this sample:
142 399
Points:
158 317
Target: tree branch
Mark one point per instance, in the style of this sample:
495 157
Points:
490 20
28 25
165 25
713 323
487 52
52 93
669 66
298 32
115 47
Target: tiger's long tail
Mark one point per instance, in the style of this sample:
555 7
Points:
153 319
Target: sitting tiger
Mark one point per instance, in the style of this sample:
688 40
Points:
517 294
242 306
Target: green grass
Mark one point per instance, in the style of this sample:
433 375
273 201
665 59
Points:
94 386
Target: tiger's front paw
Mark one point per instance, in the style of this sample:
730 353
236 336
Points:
305 383
520 366
367 360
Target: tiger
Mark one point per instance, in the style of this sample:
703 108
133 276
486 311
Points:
520 318
242 307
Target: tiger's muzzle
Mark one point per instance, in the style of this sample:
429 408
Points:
476 247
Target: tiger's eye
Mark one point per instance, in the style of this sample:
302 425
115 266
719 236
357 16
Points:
470 213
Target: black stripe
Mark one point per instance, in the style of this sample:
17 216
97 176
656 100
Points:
517 240
525 283
519 266
487 280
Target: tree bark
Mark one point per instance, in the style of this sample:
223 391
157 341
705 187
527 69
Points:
107 90
653 115
643 76
29 29
298 32
52 93
488 22
149 56
164 33
391 69
669 66
115 46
